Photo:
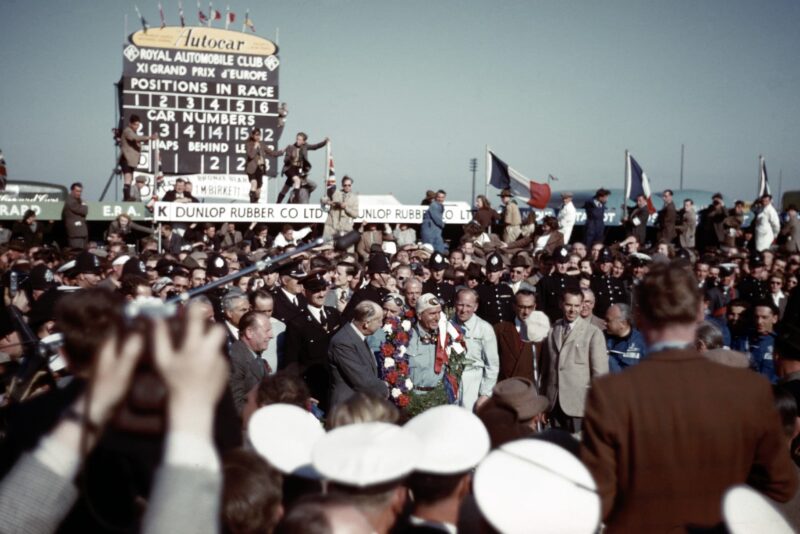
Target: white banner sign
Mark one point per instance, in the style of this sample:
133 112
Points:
454 213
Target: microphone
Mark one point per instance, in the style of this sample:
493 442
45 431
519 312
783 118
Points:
345 241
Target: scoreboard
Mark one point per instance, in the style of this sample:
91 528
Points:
201 90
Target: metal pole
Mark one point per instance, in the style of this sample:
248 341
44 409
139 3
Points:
159 237
473 166
681 166
488 172
780 187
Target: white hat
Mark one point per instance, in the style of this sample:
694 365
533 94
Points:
748 512
121 260
365 454
533 482
68 266
537 325
285 434
427 247
453 440
426 302
389 247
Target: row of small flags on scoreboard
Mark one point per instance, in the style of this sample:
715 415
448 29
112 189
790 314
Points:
503 176
203 17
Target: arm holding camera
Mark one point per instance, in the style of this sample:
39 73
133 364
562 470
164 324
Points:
39 491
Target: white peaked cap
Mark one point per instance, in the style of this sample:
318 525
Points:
365 454
121 260
532 484
285 434
748 512
453 440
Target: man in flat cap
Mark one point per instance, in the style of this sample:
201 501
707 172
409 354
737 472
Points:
308 337
353 367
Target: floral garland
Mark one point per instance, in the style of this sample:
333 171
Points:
454 348
393 360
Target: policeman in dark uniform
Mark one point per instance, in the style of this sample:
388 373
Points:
436 285
496 299
217 267
551 287
752 288
307 338
379 273
607 289
288 298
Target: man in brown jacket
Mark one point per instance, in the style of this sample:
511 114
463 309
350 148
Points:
666 438
516 352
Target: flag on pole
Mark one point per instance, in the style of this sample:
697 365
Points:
248 22
230 16
503 176
180 14
200 14
636 182
213 14
763 183
330 173
161 14
141 18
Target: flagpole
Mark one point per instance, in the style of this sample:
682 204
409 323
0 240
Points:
625 191
488 172
210 14
780 185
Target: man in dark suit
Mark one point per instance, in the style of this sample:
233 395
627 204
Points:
74 217
288 298
308 337
636 221
130 147
436 285
352 364
379 273
517 353
666 438
171 241
667 218
248 368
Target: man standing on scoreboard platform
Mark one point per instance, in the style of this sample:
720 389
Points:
296 167
130 153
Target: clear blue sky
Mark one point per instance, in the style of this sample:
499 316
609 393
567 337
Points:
410 91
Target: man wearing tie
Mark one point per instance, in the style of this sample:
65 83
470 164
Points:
289 301
248 368
352 364
574 354
517 353
308 336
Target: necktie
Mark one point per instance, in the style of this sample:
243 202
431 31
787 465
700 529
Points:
323 320
565 335
267 366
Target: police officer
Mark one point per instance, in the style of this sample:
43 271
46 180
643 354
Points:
752 287
607 289
496 299
436 285
760 344
288 298
379 274
551 287
308 335
625 344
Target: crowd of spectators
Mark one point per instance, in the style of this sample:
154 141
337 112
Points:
546 380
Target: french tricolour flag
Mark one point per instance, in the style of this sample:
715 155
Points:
502 176
636 182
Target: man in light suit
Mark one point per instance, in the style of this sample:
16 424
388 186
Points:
688 225
767 224
353 365
248 368
567 216
574 354
343 209
483 361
